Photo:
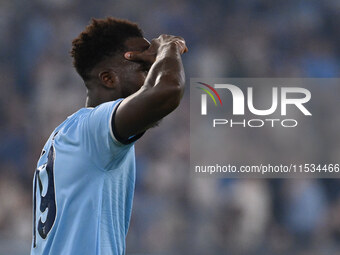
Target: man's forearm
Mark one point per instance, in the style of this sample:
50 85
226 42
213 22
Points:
167 72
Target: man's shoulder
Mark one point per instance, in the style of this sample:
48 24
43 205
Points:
81 112
105 108
71 120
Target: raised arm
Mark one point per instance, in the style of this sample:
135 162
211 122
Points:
162 89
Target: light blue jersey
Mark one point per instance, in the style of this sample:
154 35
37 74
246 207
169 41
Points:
83 187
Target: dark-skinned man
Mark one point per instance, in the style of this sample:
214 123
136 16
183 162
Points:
84 182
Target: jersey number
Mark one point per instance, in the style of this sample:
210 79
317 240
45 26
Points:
44 177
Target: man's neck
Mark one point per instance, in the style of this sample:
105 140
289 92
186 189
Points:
93 102
97 97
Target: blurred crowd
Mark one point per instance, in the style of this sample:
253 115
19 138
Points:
174 212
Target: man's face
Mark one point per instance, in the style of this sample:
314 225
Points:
132 74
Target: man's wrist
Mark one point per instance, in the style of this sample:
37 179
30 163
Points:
167 50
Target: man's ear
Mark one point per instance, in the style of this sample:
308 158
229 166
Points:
108 78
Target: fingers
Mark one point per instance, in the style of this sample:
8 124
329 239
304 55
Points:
149 55
140 56
133 55
181 46
165 38
180 42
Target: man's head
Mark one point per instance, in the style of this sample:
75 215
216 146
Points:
98 56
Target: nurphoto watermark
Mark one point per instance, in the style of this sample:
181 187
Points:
265 127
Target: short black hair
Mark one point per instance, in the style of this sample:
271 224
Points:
101 38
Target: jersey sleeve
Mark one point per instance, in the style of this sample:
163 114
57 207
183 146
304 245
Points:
101 140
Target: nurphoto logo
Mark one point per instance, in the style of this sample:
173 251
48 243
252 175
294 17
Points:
283 97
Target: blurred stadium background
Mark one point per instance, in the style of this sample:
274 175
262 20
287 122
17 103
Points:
174 213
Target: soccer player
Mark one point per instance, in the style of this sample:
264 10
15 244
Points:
84 182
